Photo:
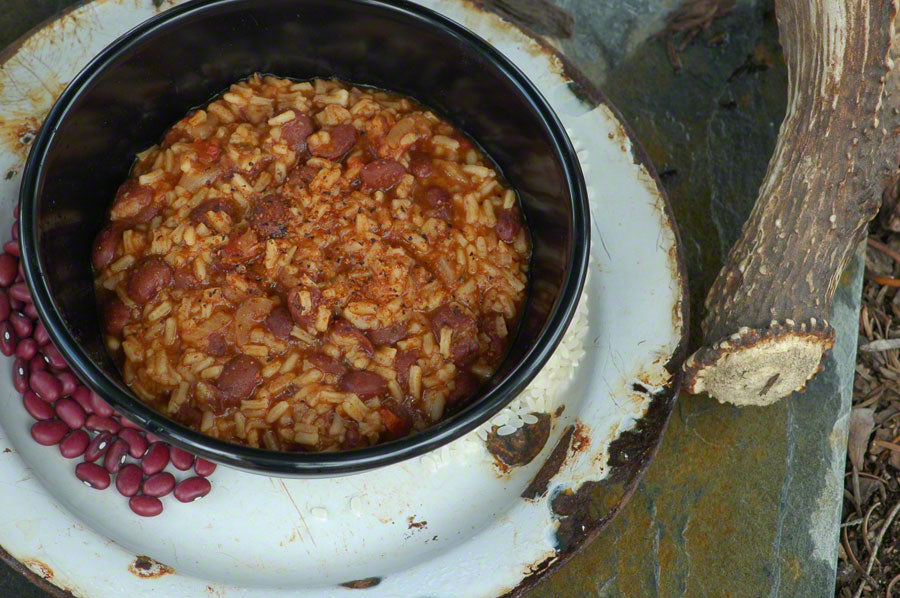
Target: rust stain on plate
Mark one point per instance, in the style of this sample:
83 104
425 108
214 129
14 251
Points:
362 584
541 481
39 567
413 524
147 568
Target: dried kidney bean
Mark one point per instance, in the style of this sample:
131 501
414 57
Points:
49 432
128 480
70 412
26 349
191 489
37 364
9 267
92 475
102 424
180 458
98 446
159 484
82 396
30 310
40 334
53 357
12 248
5 309
21 324
137 444
115 455
19 291
7 339
101 407
46 386
36 407
145 506
74 444
20 374
156 459
68 382
204 468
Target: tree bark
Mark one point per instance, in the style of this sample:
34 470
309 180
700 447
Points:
766 329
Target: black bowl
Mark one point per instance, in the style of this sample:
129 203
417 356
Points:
150 77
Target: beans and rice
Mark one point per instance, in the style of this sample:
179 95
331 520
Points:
310 266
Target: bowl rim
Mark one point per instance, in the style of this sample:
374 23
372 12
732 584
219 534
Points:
297 464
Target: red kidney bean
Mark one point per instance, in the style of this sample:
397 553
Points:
381 174
21 323
37 364
159 484
12 248
16 212
239 377
115 315
145 506
9 267
20 375
14 231
15 304
364 384
464 346
137 444
115 455
40 334
203 467
156 459
8 339
102 424
26 349
98 446
152 438
420 164
148 277
508 225
53 357
127 423
279 322
191 489
343 138
20 277
70 412
31 311
46 386
92 475
36 407
82 396
68 382
74 444
180 458
20 291
5 309
49 432
101 407
128 480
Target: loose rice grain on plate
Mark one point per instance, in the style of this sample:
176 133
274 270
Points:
310 266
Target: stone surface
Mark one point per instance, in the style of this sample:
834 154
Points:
738 502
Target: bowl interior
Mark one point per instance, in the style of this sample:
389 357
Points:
147 80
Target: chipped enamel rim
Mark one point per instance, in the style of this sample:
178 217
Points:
451 525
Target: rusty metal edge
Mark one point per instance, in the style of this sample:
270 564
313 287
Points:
653 425
664 400
42 583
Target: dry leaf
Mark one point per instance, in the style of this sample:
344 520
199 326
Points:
862 423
